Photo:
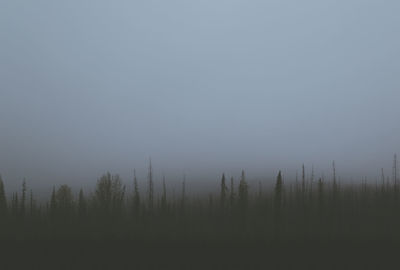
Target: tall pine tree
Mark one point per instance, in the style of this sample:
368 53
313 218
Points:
81 204
243 191
136 194
151 187
223 192
278 193
3 199
23 198
232 192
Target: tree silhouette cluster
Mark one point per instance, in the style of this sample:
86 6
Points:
237 210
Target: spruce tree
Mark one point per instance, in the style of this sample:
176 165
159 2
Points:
31 203
183 196
151 187
303 180
15 204
136 194
23 198
3 200
117 195
278 192
243 191
224 189
320 195
164 196
334 176
312 180
335 188
394 169
232 192
81 204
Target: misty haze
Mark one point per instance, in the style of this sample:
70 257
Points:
281 117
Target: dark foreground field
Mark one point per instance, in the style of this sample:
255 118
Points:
306 224
120 254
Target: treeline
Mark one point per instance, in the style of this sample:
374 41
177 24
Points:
301 209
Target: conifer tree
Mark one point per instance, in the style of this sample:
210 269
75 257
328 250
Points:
210 203
81 204
151 187
303 180
23 198
335 185
224 189
383 180
136 194
164 196
15 204
320 194
334 174
395 173
31 203
243 191
3 199
232 192
312 180
117 194
278 192
183 196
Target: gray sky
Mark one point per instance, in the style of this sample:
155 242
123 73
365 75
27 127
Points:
200 86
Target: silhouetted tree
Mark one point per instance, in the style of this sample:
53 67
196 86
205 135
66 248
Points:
232 192
303 180
136 194
64 200
15 204
278 197
82 207
312 180
53 202
395 173
278 192
243 191
23 198
164 196
335 188
334 175
178 216
210 203
320 195
118 194
109 194
183 196
3 199
31 203
151 187
223 192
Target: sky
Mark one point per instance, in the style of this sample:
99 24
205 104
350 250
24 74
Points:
202 87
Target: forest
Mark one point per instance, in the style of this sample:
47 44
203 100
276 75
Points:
305 223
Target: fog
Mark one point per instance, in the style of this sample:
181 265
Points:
201 87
